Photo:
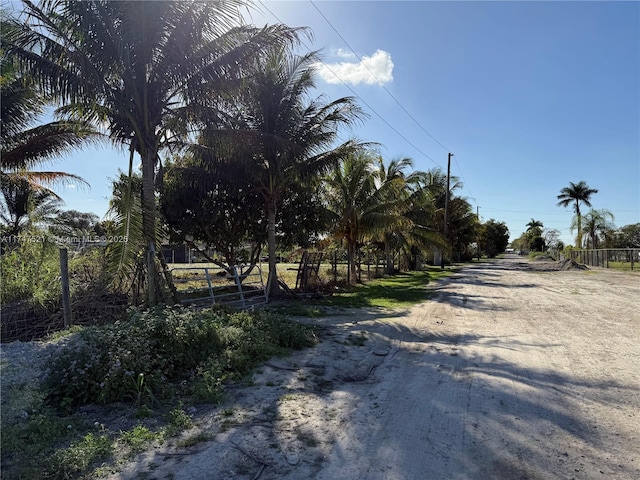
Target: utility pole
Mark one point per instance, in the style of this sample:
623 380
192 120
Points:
446 207
478 240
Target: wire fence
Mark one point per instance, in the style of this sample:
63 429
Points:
617 258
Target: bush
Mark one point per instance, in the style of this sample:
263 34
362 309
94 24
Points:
70 462
140 360
30 271
31 293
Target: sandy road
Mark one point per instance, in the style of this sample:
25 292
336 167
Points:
508 372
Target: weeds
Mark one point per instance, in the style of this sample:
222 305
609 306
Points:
193 440
177 421
156 352
155 359
70 462
139 438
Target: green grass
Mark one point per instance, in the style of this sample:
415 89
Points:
139 438
400 290
395 291
625 266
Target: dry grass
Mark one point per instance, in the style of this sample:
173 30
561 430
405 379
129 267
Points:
287 272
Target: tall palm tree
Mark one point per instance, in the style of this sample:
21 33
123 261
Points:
350 198
436 185
137 68
286 137
574 194
463 225
421 210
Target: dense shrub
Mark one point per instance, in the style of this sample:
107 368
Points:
30 271
140 360
31 290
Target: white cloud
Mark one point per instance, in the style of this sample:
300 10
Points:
345 54
376 69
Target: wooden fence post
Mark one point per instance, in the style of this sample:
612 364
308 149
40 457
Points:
64 275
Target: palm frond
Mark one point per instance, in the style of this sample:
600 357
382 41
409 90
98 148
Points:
126 212
40 180
31 147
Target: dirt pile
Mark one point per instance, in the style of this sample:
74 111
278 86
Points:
570 265
548 264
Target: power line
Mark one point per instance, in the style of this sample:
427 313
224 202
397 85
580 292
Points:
374 76
464 181
389 93
362 100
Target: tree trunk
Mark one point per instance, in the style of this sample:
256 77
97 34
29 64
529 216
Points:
389 257
149 222
579 217
274 288
351 253
579 237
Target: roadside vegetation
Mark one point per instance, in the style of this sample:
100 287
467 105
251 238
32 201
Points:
397 291
147 371
142 376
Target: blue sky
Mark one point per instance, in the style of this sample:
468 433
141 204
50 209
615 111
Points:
528 96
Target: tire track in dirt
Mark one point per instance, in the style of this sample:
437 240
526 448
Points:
510 370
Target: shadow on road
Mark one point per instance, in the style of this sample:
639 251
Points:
433 404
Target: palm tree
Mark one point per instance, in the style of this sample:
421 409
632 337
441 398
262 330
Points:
362 208
574 194
534 225
395 183
24 145
350 200
286 138
463 225
595 222
23 206
411 220
423 232
138 69
436 185
535 241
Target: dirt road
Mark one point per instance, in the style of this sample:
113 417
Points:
508 372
